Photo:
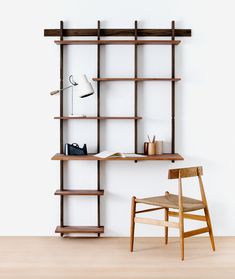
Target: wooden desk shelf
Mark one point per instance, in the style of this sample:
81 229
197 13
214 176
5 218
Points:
99 37
91 157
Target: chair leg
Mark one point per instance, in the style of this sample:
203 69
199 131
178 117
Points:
166 228
208 220
181 230
132 228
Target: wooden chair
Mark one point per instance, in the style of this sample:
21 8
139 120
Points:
179 202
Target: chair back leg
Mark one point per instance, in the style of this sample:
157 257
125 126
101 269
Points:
208 221
206 210
166 228
132 227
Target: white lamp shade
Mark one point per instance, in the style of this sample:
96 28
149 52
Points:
85 87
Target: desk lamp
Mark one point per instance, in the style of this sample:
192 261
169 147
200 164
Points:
85 88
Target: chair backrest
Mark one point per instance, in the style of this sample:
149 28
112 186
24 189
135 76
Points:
185 172
188 172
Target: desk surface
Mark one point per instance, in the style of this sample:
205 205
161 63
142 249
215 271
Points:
162 157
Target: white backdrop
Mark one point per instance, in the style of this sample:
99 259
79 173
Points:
29 135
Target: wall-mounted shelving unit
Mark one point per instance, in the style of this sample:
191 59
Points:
98 32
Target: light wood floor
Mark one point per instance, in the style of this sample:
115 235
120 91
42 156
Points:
109 258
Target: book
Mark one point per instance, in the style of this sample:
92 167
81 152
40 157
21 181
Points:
108 154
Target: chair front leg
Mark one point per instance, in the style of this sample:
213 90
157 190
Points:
132 227
181 231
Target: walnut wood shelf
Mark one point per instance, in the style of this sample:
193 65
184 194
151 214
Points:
117 42
79 229
98 118
136 79
162 157
66 192
116 32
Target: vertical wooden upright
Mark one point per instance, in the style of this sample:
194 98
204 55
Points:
98 123
136 90
173 88
61 126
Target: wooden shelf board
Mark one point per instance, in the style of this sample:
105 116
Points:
117 42
67 192
79 229
100 117
165 156
136 79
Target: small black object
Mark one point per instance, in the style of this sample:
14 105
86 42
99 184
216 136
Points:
74 149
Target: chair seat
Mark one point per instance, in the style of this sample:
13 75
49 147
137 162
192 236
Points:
171 201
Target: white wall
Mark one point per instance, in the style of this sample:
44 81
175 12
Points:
29 135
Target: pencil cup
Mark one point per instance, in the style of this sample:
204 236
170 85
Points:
146 146
151 148
159 147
